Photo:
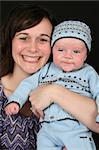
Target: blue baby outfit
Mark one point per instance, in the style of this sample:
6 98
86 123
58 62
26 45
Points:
59 128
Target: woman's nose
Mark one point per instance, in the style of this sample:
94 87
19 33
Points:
33 46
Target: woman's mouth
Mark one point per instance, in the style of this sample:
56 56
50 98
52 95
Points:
31 59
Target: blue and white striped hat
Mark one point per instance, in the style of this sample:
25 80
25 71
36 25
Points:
72 29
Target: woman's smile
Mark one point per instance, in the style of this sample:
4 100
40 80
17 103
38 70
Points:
31 59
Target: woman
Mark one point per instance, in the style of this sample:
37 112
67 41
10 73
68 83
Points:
25 48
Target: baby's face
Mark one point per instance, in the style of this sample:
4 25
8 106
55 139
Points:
69 54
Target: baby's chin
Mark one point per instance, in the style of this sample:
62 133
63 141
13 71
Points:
69 70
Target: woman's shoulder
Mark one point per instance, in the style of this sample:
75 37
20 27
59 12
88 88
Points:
1 87
3 98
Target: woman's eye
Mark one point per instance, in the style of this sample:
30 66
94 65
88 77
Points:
23 38
44 40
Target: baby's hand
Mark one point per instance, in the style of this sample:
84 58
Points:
12 108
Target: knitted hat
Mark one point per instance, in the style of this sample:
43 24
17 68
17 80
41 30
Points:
72 29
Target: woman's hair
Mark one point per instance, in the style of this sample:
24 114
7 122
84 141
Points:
20 18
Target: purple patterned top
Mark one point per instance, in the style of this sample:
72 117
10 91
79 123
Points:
16 132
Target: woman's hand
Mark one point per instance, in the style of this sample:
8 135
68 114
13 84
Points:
40 99
81 107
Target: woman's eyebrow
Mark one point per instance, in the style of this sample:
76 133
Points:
45 35
17 34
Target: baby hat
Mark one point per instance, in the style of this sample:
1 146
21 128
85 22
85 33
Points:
72 29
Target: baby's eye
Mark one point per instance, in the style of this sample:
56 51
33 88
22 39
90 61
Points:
60 50
76 51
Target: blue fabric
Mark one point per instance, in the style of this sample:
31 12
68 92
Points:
84 81
53 136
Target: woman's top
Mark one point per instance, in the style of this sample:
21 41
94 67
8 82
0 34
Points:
17 132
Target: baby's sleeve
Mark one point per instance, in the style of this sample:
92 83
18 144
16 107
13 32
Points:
21 94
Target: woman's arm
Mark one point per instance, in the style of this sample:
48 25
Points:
81 107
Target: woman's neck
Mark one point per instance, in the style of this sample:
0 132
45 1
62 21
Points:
11 81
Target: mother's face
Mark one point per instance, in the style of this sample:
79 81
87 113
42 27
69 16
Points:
31 47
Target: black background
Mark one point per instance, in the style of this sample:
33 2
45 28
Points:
87 11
